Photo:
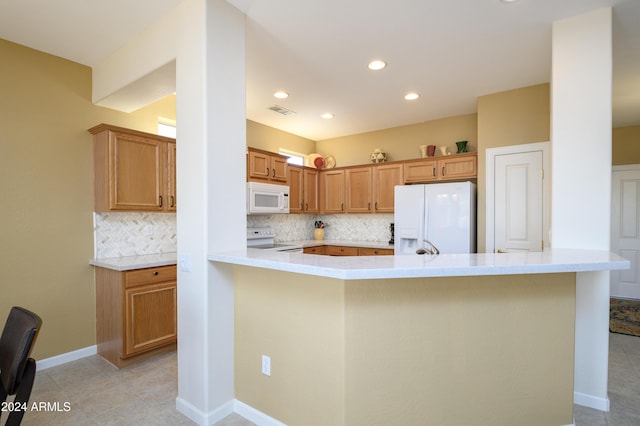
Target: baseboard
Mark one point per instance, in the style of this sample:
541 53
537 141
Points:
200 417
602 404
43 364
255 416
235 406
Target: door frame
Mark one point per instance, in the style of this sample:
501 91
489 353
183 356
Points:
491 154
614 169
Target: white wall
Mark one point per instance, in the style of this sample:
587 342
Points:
206 40
581 187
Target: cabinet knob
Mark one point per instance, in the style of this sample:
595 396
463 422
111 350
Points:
268 172
369 206
160 197
155 273
442 170
274 172
173 201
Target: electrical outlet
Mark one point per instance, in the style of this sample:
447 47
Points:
185 262
266 365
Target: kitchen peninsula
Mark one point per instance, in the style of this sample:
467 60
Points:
448 339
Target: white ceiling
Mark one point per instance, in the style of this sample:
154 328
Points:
449 51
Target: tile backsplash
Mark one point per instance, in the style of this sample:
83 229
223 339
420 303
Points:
351 227
129 234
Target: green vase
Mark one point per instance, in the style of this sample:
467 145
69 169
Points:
462 146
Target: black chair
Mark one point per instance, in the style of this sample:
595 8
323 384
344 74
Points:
17 370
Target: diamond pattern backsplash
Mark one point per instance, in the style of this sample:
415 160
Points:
349 227
130 234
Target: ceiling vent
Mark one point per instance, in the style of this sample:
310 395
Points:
282 110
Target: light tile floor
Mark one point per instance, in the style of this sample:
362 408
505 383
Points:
145 394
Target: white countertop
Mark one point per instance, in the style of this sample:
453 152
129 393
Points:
415 266
127 263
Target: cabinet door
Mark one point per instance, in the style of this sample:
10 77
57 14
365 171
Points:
136 173
258 166
172 196
333 193
385 179
455 167
359 190
311 193
150 317
420 171
296 190
279 167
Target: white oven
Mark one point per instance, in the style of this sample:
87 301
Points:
267 198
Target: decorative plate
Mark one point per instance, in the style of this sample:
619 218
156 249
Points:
311 159
319 163
329 162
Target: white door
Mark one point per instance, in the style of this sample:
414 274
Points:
625 229
518 198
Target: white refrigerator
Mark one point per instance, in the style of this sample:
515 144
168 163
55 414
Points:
442 213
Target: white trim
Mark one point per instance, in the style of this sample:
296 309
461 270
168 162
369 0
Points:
602 404
235 406
200 417
255 416
625 168
490 155
54 361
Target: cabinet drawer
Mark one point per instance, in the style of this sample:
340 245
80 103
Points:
341 251
314 250
368 251
150 276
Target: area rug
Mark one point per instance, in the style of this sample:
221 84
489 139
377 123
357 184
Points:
624 316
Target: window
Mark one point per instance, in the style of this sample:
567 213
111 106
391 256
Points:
166 127
294 157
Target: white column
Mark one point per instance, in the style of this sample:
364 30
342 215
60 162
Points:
211 216
581 186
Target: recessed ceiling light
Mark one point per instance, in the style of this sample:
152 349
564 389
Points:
411 96
377 65
509 1
327 116
281 95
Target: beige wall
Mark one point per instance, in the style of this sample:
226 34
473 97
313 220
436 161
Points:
513 117
406 351
46 182
626 145
270 139
402 143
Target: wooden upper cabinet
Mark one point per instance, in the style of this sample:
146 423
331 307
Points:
332 191
359 189
134 171
303 190
460 166
263 166
311 192
385 179
296 189
420 171
446 168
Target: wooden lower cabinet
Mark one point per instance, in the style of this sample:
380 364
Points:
314 250
331 250
136 313
369 251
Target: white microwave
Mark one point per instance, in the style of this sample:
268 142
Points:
267 198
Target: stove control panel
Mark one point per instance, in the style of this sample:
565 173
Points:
260 232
